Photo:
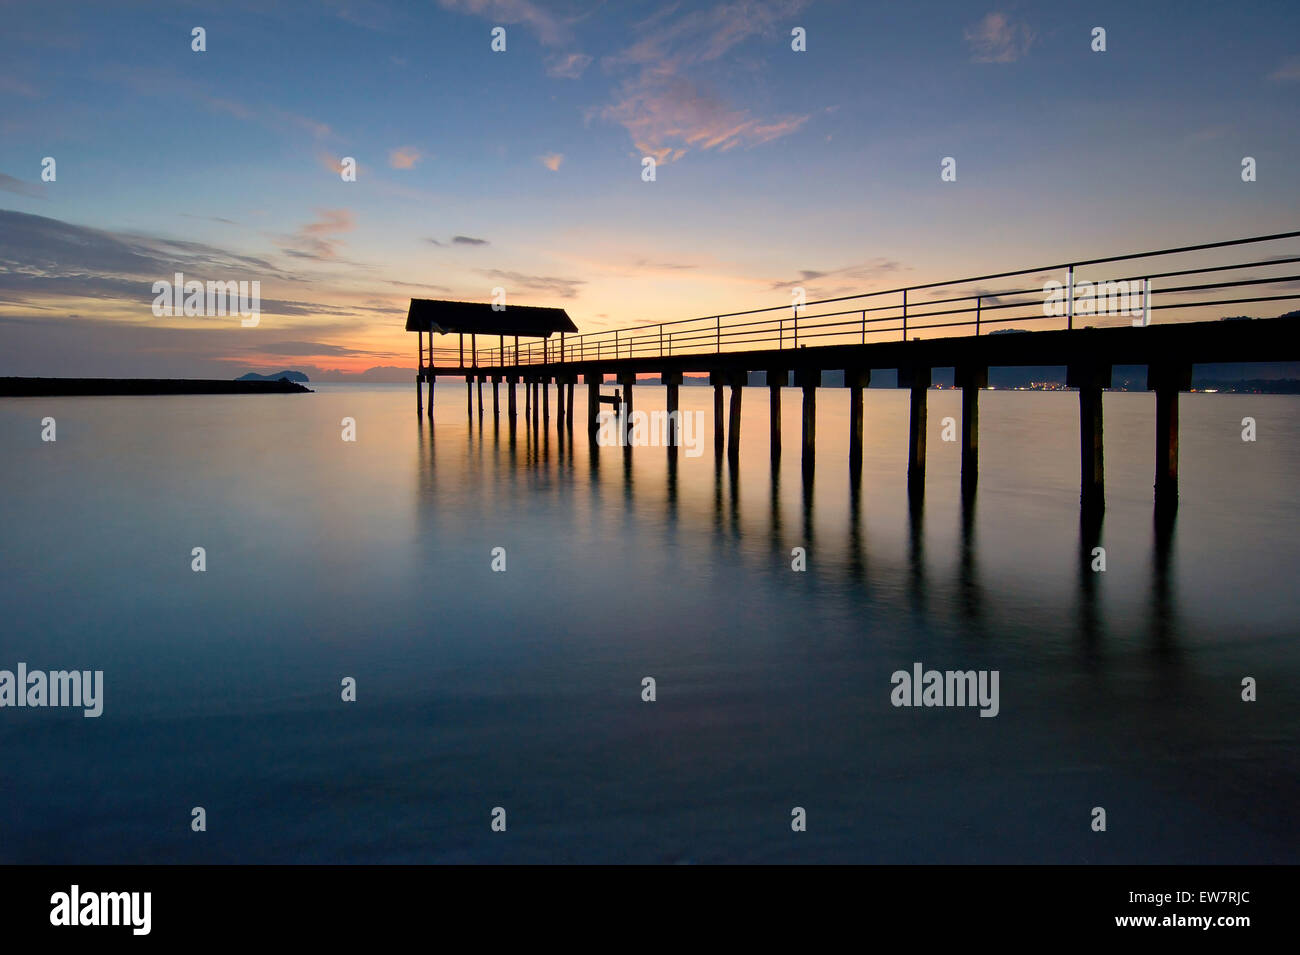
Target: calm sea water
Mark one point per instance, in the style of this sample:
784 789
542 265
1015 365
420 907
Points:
522 689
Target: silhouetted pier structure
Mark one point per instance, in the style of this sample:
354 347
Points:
1078 315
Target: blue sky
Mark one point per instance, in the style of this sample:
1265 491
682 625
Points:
776 167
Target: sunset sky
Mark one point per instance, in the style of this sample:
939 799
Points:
522 169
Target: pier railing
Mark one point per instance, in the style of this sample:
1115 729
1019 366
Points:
1136 288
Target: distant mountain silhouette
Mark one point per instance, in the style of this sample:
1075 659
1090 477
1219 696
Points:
287 375
379 374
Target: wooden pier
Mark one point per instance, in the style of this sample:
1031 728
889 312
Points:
942 327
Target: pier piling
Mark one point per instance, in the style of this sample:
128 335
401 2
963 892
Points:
1167 380
738 380
1090 379
593 402
672 383
809 379
970 379
776 380
856 379
626 380
916 378
717 379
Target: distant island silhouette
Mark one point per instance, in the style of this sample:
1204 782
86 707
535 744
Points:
48 387
283 375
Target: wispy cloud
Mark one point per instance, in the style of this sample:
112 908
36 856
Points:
418 285
549 28
666 110
1288 72
152 81
567 66
333 163
370 14
664 266
457 240
667 117
551 161
10 184
547 284
404 157
997 39
862 272
16 87
318 239
278 118
42 258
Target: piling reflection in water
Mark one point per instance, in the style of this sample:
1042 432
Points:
654 475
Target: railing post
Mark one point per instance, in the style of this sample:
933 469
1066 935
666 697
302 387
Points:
718 333
904 314
661 341
978 300
1069 297
864 326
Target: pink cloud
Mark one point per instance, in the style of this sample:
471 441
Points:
551 161
567 66
996 39
333 163
549 28
666 118
318 239
664 109
404 157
